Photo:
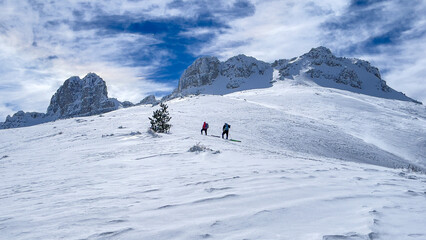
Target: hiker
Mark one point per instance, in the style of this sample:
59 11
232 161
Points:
205 127
225 129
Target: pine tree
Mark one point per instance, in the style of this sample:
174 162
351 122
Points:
160 119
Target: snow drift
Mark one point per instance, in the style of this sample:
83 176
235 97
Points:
298 173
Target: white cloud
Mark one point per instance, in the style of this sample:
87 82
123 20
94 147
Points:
403 62
39 49
286 29
278 29
406 70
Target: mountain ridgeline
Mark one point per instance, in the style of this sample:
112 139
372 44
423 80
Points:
207 75
75 98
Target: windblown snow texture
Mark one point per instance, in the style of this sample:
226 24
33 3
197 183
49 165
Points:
313 163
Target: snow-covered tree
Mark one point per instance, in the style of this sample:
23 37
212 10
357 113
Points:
160 119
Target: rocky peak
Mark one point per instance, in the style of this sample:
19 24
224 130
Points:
242 66
202 72
81 97
327 70
23 119
319 52
209 75
76 97
92 79
148 100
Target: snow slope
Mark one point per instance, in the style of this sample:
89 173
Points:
299 172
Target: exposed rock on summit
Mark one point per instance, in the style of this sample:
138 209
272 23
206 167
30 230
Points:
149 100
209 75
76 97
202 72
24 119
82 97
323 68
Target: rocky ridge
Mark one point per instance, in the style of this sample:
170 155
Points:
321 67
207 75
210 76
149 100
81 97
75 98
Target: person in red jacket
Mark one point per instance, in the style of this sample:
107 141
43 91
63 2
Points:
205 127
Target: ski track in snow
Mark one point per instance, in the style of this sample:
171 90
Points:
298 173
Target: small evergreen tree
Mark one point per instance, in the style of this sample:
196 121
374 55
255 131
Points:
160 119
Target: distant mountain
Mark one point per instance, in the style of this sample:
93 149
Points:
25 119
210 76
207 75
82 97
76 97
323 68
148 100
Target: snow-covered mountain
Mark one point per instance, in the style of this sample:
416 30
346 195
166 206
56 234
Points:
327 70
150 100
76 97
81 97
313 163
207 75
25 119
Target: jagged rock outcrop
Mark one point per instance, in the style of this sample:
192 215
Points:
202 72
24 119
149 100
127 104
209 75
327 70
239 68
76 97
242 66
82 97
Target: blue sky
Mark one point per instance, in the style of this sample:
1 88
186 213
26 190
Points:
142 47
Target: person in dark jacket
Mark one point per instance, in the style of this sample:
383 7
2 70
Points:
225 129
205 127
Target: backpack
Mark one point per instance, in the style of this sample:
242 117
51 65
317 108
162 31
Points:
207 125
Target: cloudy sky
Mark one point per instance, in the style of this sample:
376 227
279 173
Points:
142 47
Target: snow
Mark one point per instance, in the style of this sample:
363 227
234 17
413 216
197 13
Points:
314 163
